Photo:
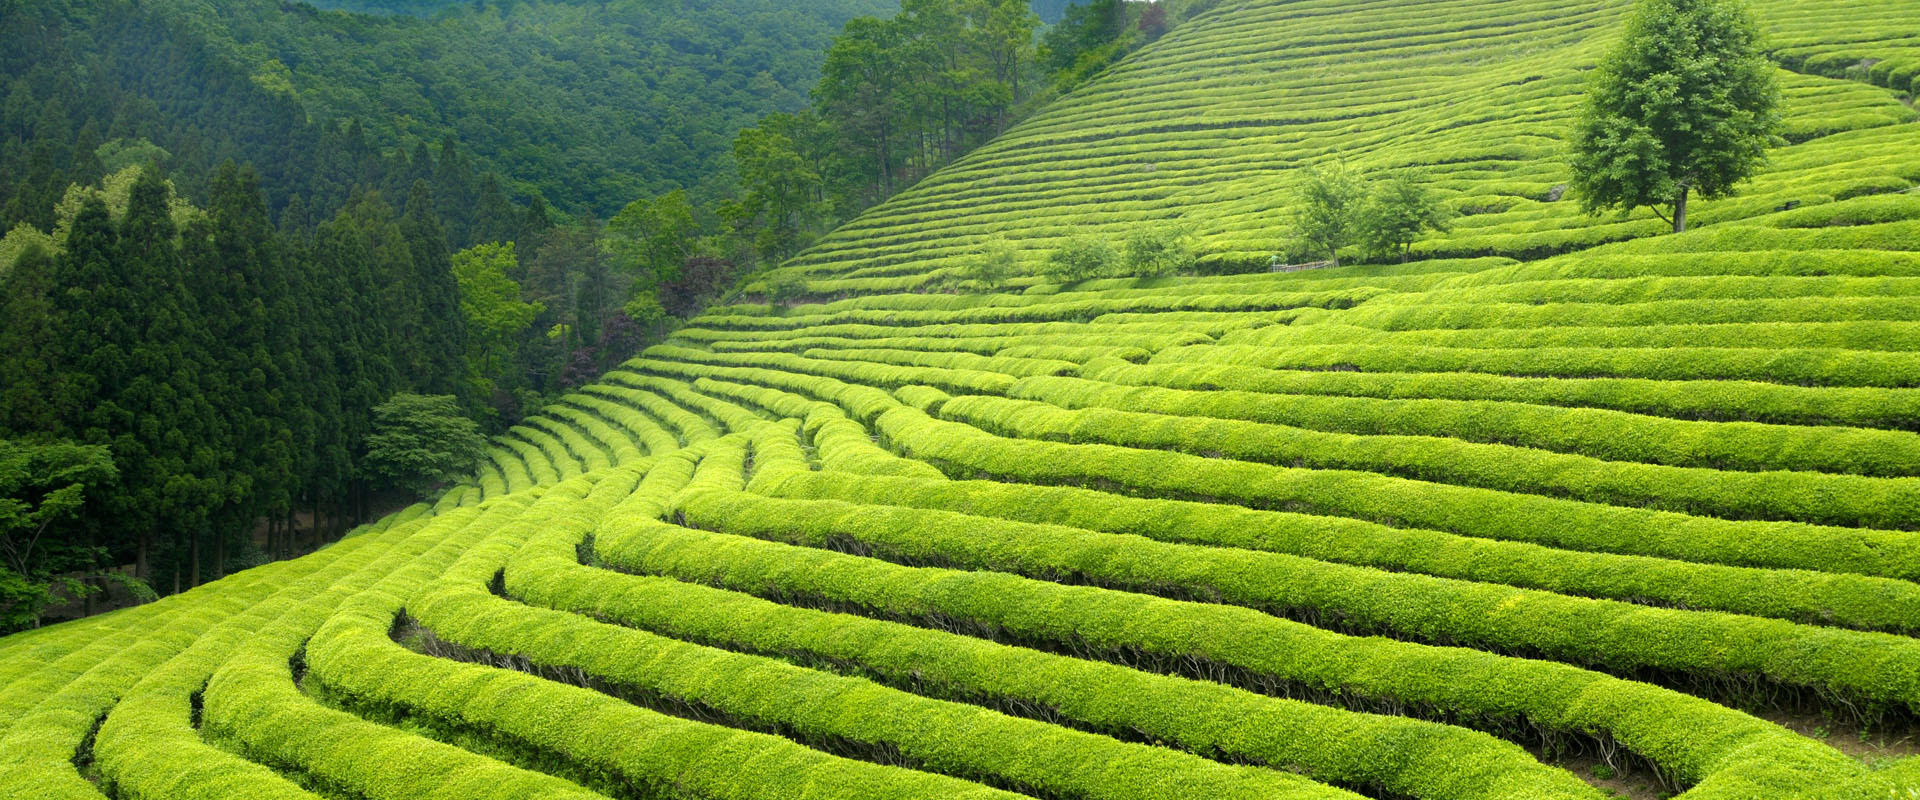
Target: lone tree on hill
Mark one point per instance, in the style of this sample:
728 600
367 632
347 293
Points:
1327 216
1684 103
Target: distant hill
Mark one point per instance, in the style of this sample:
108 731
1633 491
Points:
590 104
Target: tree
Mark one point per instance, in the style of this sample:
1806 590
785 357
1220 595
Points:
495 314
1685 103
780 191
651 238
994 262
1079 258
1155 251
1328 216
1396 214
42 486
421 441
861 87
439 339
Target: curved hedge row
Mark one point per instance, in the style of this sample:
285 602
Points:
1804 596
1812 367
1468 511
1820 498
1401 756
1875 335
1702 400
51 713
152 733
648 752
1600 433
1869 668
953 738
1006 365
1740 757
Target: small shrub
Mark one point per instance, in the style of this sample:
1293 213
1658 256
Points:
1079 258
994 262
1330 203
1395 215
785 286
1152 252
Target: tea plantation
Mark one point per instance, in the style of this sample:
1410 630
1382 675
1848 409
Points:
1565 506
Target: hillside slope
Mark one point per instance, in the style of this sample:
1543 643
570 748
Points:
1559 509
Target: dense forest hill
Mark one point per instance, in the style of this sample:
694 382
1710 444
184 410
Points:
587 104
1087 465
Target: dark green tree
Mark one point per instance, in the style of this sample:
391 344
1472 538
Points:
421 441
494 218
1328 207
1685 103
439 340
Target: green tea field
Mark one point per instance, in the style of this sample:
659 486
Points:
1565 506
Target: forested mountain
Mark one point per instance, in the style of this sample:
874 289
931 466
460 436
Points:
588 104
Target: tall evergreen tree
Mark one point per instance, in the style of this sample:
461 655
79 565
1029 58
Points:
29 353
441 342
493 216
456 193
168 441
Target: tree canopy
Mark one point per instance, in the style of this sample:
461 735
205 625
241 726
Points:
1683 104
43 485
421 441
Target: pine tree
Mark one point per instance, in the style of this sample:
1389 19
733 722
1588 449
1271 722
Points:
441 343
168 443
29 353
493 220
456 193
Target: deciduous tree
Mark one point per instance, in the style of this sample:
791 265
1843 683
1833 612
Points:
1685 103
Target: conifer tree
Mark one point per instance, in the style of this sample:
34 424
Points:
493 219
441 344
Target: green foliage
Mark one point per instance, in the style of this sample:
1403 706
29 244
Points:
1397 212
1329 204
1686 102
41 486
785 286
1157 251
897 99
1079 258
653 238
420 441
121 154
496 317
995 262
780 190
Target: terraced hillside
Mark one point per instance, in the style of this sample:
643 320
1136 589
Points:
1560 509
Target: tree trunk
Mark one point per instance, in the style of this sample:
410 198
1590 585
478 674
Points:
1680 208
